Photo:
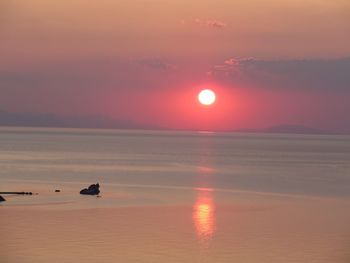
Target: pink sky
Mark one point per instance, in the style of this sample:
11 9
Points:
270 62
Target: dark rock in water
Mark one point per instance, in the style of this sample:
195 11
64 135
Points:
57 191
93 189
2 199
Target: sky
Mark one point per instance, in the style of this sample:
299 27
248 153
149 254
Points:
270 62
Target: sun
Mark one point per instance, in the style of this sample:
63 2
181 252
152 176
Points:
206 97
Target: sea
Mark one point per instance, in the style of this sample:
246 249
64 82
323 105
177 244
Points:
173 196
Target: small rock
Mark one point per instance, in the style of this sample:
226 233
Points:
57 191
2 199
93 189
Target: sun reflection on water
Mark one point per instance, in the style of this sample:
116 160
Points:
204 215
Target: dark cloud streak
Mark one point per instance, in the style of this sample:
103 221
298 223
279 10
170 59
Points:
326 74
156 63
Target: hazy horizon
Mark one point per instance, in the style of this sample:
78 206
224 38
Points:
32 120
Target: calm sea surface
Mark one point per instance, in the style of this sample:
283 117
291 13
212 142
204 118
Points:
174 197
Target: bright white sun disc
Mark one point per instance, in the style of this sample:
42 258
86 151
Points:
206 97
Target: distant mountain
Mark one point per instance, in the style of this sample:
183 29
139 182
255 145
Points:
288 128
52 120
296 129
103 122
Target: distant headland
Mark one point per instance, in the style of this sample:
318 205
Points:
12 119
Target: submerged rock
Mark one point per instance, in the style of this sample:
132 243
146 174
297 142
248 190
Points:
2 199
93 189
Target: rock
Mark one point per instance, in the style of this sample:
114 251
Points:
93 189
16 193
2 199
57 191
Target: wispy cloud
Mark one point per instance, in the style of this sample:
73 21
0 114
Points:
212 23
308 73
156 63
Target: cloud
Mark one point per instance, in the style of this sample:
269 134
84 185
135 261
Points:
306 73
213 23
233 61
216 24
156 63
